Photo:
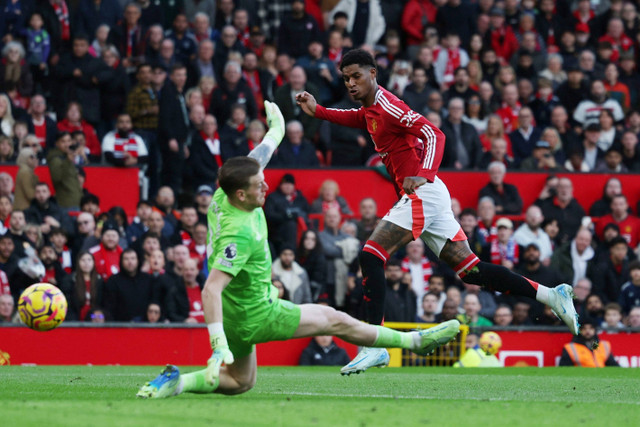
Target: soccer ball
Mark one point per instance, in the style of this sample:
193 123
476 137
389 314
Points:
490 342
42 307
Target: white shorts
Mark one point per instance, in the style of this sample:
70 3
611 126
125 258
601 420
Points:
428 215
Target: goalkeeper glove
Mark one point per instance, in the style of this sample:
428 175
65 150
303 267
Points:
275 121
221 354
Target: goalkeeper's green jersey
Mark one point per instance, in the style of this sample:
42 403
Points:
237 245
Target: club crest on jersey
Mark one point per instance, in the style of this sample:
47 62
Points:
374 125
231 251
409 118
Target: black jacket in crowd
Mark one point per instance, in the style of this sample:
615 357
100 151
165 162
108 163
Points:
127 297
314 355
509 198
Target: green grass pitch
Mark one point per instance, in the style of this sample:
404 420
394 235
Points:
293 396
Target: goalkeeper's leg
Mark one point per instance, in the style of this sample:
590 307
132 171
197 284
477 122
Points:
322 320
236 378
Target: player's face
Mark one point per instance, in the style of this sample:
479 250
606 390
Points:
256 192
358 80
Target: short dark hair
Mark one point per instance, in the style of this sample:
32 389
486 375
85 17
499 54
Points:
143 65
469 211
177 66
393 262
43 184
236 172
634 265
359 57
89 198
618 240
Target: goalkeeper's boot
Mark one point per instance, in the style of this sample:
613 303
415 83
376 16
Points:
164 385
561 302
438 335
369 357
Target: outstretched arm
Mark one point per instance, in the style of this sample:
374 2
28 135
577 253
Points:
212 306
263 152
353 117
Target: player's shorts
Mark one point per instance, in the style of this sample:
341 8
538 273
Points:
428 215
280 324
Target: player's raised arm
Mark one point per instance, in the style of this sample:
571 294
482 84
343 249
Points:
353 117
263 152
212 307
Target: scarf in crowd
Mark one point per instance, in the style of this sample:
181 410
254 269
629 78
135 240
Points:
62 12
213 144
124 144
501 252
580 261
427 270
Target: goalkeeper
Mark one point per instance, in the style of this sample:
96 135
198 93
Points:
240 282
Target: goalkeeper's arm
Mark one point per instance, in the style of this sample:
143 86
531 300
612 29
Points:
212 306
263 152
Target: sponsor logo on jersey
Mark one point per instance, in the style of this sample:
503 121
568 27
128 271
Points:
231 251
409 118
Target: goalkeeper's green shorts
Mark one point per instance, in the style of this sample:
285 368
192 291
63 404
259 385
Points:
279 325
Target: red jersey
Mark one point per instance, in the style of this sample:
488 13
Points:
107 262
196 310
629 228
408 144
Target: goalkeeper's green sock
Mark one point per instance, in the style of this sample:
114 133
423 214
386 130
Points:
392 338
194 382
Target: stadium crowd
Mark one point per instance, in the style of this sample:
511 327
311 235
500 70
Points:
176 87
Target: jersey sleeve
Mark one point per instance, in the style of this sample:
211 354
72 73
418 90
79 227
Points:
353 117
401 118
231 253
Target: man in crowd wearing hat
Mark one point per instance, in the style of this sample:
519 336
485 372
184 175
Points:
541 159
203 196
107 253
285 209
504 249
590 150
572 91
586 350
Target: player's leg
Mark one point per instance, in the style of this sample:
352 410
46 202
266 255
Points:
471 270
236 378
323 320
386 239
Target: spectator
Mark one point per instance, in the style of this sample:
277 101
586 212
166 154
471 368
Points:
184 301
554 72
505 196
496 153
310 256
486 299
460 87
532 232
320 72
233 135
612 161
259 80
428 307
601 207
476 116
228 46
630 291
525 137
634 318
588 111
449 311
504 249
466 149
362 32
564 208
500 36
368 218
123 147
80 76
541 159
26 179
400 302
487 219
329 239
628 224
285 98
457 16
586 350
107 254
295 150
128 292
74 122
293 276
503 316
322 351
114 91
84 288
330 198
207 153
573 259
7 120
45 212
285 209
64 175
609 274
415 94
420 269
40 124
510 108
630 152
521 316
14 70
612 317
184 42
232 90
7 309
173 128
471 316
469 223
